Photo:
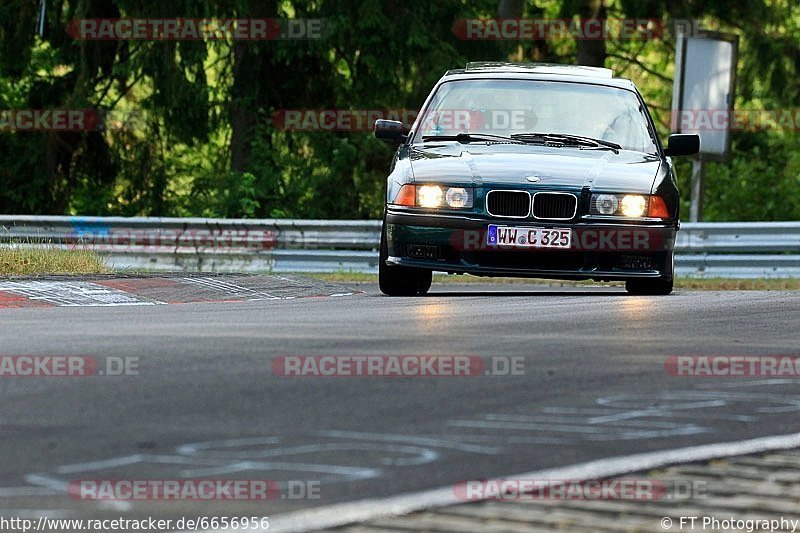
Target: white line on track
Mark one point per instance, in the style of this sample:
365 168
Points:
423 441
371 509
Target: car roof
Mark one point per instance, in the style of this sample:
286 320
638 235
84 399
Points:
539 71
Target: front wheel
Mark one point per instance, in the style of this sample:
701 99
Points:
649 287
399 280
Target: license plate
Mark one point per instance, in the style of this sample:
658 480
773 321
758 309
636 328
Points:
529 237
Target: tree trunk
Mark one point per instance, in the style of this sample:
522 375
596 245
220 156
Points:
592 52
252 77
243 111
510 9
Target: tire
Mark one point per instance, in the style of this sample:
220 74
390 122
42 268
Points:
399 280
649 287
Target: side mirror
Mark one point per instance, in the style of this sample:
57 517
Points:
683 144
390 131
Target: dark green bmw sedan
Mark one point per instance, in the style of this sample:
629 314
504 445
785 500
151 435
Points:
531 170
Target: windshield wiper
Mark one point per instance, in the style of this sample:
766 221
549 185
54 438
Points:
465 138
566 139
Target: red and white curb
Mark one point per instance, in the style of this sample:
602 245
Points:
114 292
64 294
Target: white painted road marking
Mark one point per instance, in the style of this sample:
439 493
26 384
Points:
371 509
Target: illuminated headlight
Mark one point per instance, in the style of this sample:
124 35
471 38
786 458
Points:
429 196
629 206
434 196
606 204
458 197
633 205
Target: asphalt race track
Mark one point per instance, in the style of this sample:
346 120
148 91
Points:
207 404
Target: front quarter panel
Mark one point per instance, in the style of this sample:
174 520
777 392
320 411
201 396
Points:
666 186
400 173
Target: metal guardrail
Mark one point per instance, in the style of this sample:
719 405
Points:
200 233
729 250
739 237
738 250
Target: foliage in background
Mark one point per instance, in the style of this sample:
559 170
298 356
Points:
201 141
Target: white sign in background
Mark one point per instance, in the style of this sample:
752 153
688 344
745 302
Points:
705 73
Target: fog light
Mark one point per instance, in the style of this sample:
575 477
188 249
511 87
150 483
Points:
458 197
606 204
634 205
429 196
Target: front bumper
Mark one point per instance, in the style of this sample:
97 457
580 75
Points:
601 250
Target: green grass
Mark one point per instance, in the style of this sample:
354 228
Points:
720 284
21 260
26 260
711 284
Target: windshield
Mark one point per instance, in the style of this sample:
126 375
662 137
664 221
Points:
508 107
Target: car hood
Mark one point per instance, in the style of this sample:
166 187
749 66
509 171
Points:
512 164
